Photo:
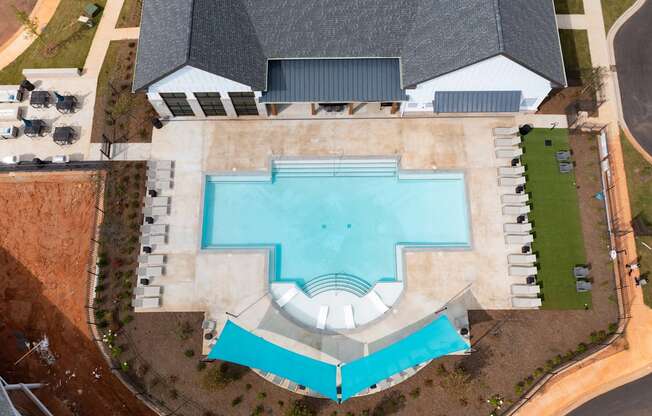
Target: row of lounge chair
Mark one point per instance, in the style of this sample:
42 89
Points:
518 232
582 276
154 234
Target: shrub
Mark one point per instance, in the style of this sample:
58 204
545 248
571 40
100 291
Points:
217 377
236 401
581 347
602 335
415 392
189 353
281 403
124 366
594 337
390 404
116 351
100 288
174 394
538 372
441 370
429 382
613 327
185 331
100 313
201 366
299 408
248 386
103 324
261 395
259 410
127 319
518 388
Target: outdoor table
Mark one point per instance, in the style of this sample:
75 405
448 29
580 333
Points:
63 135
67 104
34 127
39 99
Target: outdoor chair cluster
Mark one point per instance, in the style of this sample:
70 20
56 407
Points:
564 161
10 111
582 276
154 234
518 229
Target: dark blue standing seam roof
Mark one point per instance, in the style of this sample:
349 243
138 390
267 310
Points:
333 80
477 101
240 346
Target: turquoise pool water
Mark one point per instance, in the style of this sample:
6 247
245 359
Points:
326 225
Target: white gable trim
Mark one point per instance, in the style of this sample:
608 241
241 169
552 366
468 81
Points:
190 79
498 73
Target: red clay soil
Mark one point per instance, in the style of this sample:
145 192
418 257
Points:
46 227
10 24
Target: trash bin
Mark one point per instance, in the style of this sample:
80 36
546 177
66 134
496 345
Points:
156 122
26 85
525 129
91 9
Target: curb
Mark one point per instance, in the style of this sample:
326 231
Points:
611 36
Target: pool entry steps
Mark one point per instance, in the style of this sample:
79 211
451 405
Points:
336 281
346 167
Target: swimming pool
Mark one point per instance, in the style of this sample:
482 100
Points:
320 225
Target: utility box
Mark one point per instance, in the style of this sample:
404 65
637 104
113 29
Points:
91 10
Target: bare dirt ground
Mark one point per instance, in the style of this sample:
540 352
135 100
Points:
10 24
46 225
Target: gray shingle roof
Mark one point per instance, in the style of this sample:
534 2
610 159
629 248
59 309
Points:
235 38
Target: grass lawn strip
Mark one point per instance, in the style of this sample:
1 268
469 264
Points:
639 183
64 43
130 14
612 9
569 6
558 242
575 49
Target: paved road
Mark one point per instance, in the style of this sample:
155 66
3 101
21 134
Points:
633 49
633 399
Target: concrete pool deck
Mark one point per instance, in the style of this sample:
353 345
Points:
237 283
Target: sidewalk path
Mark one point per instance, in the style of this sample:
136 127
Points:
17 44
593 377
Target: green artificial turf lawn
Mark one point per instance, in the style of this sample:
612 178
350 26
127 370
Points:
558 241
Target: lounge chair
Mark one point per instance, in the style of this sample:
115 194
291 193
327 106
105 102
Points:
509 152
504 141
153 228
522 271
525 290
526 303
505 131
519 238
159 175
321 318
518 228
516 209
565 167
581 272
151 259
159 185
150 271
511 170
146 303
377 302
515 198
159 164
287 296
521 259
157 201
147 291
349 322
148 240
563 155
511 180
583 286
155 211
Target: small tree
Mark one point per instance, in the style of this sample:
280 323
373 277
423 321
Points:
29 24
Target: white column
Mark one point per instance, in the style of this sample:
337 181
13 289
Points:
262 107
228 106
194 104
159 105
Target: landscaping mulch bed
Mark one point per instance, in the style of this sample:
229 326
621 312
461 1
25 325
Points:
512 348
130 14
48 223
120 115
